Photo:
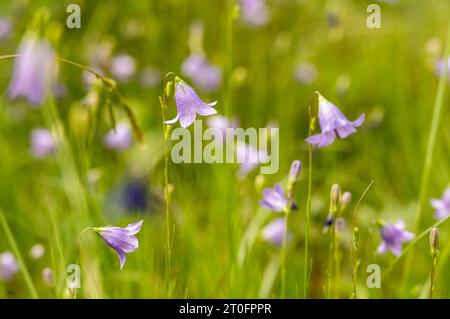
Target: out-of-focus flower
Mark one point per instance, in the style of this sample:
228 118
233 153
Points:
442 66
47 276
305 73
254 12
274 232
393 235
206 77
120 138
249 158
333 123
123 67
5 28
340 225
442 206
274 199
42 143
134 196
149 77
8 266
122 240
189 105
34 70
37 251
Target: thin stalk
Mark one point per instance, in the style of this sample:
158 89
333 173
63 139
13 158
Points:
429 158
283 253
15 249
432 275
308 209
330 259
84 231
354 245
166 129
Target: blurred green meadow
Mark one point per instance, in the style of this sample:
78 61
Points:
268 73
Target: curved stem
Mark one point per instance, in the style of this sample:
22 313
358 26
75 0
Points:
84 231
353 254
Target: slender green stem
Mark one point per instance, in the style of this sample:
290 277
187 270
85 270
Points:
437 112
353 246
432 274
84 231
283 253
308 210
166 130
429 157
330 259
15 249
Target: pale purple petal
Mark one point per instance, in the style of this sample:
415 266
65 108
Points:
274 232
34 70
123 67
42 143
120 138
8 266
442 206
274 199
189 104
333 123
122 240
393 235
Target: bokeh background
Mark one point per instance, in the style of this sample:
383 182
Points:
263 70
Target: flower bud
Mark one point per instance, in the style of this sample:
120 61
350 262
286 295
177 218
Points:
434 242
335 197
296 167
345 200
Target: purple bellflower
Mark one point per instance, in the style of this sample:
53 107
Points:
33 71
122 240
274 199
42 143
333 123
189 105
274 232
442 66
442 206
8 266
393 235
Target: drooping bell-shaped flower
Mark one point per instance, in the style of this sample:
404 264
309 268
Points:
122 240
189 105
442 206
34 70
333 124
393 235
443 65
